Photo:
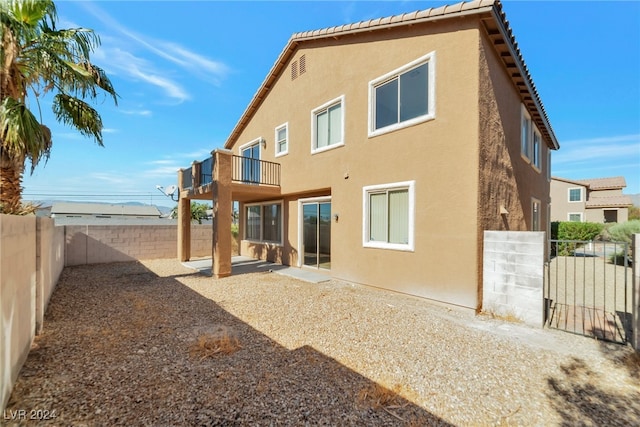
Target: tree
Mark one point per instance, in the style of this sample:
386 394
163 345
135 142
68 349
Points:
198 212
36 59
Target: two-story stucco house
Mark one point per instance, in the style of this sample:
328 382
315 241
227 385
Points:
589 200
378 152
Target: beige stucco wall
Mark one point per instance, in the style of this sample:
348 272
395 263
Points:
17 296
598 214
91 244
49 263
561 207
441 156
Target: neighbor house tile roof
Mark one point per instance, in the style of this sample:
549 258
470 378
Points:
609 183
612 183
495 23
70 208
620 201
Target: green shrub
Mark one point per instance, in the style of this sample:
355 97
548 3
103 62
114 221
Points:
579 230
234 230
619 259
622 232
582 231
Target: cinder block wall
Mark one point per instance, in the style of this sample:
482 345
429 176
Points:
96 244
17 297
513 275
49 263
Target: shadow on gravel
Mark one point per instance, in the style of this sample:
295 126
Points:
579 402
123 346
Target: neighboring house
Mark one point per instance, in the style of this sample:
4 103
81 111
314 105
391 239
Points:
80 213
379 152
589 200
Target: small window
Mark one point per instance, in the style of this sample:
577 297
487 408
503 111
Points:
575 217
389 216
403 97
535 215
328 125
536 148
575 194
525 135
263 222
282 140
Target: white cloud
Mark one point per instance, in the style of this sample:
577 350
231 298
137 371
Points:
121 62
145 113
622 147
191 62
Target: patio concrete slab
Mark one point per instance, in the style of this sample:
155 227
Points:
245 265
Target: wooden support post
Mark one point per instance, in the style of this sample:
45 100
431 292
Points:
184 223
635 251
222 201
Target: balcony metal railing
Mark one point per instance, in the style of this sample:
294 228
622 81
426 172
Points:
244 170
254 171
187 178
206 171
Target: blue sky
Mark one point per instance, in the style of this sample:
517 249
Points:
186 70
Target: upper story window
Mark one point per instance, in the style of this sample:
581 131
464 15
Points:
250 153
389 216
575 194
282 139
328 125
530 140
403 97
536 148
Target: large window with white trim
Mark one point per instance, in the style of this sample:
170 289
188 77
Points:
388 221
403 97
263 222
328 125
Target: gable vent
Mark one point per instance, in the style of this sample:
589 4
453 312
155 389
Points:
303 64
294 70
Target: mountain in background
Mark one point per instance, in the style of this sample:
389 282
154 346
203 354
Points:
635 198
164 210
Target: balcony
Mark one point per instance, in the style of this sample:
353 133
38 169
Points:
247 176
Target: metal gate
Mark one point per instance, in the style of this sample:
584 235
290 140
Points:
588 289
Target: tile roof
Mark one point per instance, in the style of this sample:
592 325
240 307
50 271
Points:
608 183
62 208
611 183
500 33
609 201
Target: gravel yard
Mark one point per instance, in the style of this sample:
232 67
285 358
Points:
155 343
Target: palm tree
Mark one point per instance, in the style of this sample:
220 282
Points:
36 58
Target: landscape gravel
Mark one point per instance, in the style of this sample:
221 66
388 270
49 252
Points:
155 343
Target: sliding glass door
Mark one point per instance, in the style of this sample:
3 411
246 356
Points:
316 234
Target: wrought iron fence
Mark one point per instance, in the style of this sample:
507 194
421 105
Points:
588 289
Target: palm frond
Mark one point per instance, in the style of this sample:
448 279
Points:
21 135
75 112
